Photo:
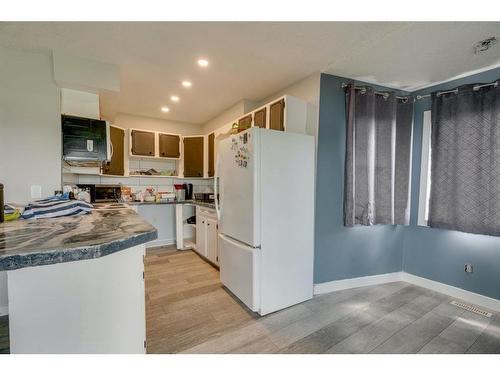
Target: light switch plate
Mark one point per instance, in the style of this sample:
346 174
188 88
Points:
36 191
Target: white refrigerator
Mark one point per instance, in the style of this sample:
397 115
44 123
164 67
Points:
265 183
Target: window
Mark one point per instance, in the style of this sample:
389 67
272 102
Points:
462 148
425 171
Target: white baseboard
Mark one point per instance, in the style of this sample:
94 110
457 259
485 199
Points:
162 242
333 286
452 291
4 310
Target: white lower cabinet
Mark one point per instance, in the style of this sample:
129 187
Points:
201 235
212 243
207 243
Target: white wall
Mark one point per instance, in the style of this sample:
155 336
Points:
306 89
30 148
30 129
84 74
80 103
230 114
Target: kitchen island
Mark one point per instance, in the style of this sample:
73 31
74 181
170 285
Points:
76 284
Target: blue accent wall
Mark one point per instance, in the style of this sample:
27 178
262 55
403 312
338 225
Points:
340 252
438 254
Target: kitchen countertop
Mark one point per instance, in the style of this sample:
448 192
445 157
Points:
108 229
190 201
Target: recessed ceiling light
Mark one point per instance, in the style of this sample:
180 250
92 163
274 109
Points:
174 98
187 84
165 109
203 62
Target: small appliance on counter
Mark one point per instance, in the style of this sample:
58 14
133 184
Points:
102 193
180 192
189 191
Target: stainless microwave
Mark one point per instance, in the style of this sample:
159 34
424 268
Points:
84 139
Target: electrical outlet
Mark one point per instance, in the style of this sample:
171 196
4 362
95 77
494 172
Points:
468 268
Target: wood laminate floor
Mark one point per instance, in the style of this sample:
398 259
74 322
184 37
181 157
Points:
189 311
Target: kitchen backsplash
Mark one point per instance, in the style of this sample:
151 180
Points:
142 182
137 183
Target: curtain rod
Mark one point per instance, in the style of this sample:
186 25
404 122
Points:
384 94
455 91
419 97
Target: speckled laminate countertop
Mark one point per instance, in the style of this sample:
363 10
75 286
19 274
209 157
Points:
108 229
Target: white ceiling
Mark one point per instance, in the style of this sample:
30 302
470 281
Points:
253 60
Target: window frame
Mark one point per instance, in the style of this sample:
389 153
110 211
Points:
425 171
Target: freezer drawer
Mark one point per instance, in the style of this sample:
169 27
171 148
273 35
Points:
239 270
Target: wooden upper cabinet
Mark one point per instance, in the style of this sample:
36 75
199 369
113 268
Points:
169 145
211 155
193 156
117 142
143 143
259 118
244 123
277 115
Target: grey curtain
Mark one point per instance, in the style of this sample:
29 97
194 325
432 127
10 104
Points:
377 161
465 160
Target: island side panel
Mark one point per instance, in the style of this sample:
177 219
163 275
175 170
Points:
87 306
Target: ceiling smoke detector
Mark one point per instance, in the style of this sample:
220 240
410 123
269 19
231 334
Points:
484 45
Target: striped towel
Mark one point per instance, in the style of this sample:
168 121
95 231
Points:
56 206
8 209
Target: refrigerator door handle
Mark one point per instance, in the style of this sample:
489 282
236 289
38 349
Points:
217 179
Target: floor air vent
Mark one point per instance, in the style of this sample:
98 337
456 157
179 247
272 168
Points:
471 308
